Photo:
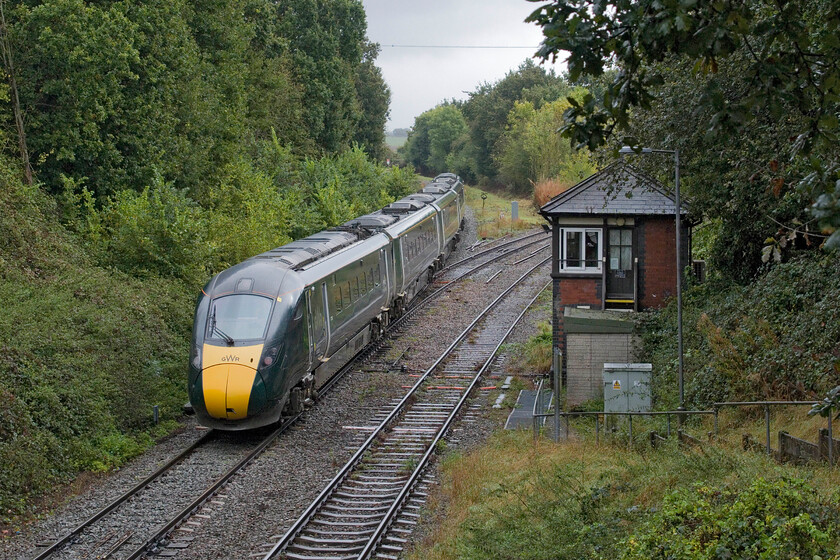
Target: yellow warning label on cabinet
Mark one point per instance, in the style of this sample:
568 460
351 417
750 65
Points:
616 385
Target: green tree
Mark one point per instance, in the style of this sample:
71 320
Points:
790 67
487 109
436 138
374 98
727 176
325 40
446 126
530 149
416 148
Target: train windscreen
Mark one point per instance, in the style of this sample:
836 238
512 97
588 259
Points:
238 317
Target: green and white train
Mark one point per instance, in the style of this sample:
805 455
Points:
270 331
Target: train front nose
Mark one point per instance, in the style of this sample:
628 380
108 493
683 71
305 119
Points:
230 385
229 389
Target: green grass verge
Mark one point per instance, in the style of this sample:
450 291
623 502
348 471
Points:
493 213
516 499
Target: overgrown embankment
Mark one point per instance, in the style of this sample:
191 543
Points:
515 499
776 338
85 352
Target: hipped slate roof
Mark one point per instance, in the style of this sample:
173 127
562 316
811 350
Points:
617 189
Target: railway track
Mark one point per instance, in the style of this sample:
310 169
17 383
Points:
370 506
122 529
493 254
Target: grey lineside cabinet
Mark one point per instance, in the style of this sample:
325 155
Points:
627 387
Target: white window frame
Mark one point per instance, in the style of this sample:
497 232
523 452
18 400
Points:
583 231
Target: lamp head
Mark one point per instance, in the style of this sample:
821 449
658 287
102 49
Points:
632 150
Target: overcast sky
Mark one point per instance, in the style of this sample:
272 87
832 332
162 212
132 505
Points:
420 78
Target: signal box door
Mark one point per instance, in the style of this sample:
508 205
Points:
620 290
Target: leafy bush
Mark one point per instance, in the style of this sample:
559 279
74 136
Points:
777 338
85 352
248 215
770 520
157 231
516 498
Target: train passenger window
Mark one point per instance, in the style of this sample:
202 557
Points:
345 294
356 287
337 298
363 283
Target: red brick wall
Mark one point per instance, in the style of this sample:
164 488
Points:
580 291
657 266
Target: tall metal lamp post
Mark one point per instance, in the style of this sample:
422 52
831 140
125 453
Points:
630 150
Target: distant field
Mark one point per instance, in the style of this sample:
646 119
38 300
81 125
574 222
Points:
395 142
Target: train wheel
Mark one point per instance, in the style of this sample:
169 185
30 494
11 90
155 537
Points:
295 405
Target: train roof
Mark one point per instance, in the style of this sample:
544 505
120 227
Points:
298 254
395 218
423 197
252 276
450 178
436 188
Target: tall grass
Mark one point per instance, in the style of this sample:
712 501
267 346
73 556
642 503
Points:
546 189
514 498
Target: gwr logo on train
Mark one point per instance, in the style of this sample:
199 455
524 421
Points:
230 358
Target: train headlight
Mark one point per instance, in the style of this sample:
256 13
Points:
270 356
195 358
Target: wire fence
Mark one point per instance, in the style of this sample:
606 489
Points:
544 408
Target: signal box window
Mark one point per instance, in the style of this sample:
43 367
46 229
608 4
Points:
582 250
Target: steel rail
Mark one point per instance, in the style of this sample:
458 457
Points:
211 491
351 464
134 490
490 250
398 502
473 270
166 530
187 512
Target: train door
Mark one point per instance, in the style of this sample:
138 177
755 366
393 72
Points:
440 221
398 263
384 276
319 334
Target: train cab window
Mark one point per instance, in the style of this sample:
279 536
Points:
238 317
378 275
